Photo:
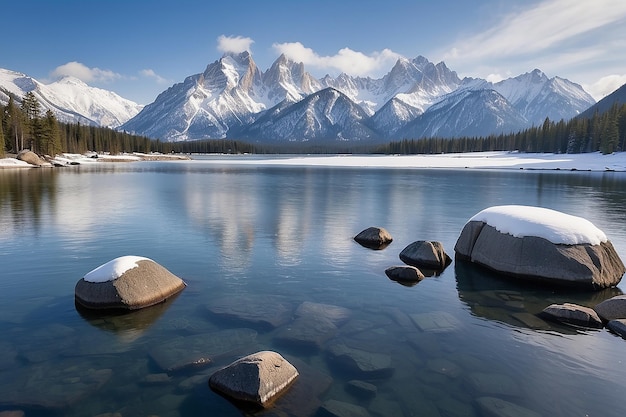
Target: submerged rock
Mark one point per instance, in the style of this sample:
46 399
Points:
201 350
572 314
360 362
540 244
426 254
259 378
374 238
127 283
496 407
262 312
335 408
613 308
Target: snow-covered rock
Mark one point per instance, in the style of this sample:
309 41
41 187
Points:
127 283
540 244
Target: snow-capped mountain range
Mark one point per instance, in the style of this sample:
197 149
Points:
233 98
70 99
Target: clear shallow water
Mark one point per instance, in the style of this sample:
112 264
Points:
262 234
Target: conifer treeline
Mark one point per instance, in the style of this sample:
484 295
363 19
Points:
24 127
604 132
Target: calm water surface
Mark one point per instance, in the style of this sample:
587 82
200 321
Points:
257 234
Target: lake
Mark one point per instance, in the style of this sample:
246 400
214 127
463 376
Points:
271 242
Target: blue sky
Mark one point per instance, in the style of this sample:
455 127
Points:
138 48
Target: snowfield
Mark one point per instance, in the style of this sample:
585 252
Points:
477 160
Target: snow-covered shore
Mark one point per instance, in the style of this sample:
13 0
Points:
67 159
479 160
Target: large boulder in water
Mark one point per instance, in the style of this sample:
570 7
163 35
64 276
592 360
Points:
30 157
540 244
259 378
426 254
127 283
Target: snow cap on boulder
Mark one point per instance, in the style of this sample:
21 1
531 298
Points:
127 282
540 244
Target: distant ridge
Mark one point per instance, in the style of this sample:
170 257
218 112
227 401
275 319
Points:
602 106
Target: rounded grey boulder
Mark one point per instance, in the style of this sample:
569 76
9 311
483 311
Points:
612 309
591 265
374 238
573 314
404 274
30 157
127 283
259 378
425 254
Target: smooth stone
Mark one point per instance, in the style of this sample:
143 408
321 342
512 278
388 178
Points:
496 407
259 312
259 378
618 326
30 157
337 315
361 389
425 254
404 274
573 314
437 321
613 308
201 350
335 408
143 286
536 258
374 238
360 362
306 332
531 321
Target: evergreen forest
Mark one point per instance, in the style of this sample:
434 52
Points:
25 126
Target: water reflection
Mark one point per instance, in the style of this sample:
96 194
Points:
495 297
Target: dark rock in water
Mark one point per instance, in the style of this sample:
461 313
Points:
259 378
404 274
618 326
334 408
586 265
374 238
127 283
30 157
572 314
426 254
361 389
262 312
201 350
496 407
613 308
52 385
360 362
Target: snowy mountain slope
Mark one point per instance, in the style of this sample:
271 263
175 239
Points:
70 99
536 96
327 114
616 97
233 98
468 112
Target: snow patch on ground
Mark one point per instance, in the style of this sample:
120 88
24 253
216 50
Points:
557 227
113 269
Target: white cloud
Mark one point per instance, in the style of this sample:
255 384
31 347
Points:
546 25
234 44
84 73
345 60
148 73
605 85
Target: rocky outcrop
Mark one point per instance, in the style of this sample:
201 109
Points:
426 254
572 314
259 378
404 274
531 257
127 283
31 158
612 309
374 238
